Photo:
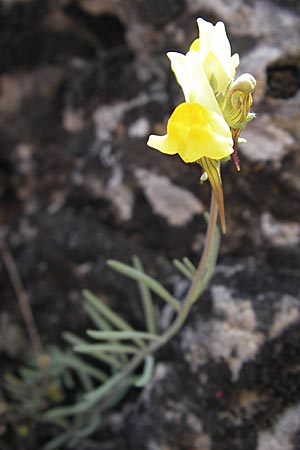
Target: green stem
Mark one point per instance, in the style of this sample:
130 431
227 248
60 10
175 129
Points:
192 292
184 308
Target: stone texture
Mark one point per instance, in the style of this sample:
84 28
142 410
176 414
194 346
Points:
82 84
175 204
274 141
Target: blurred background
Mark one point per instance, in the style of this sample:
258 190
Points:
82 85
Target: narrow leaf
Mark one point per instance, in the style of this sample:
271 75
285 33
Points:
115 397
63 411
116 382
189 265
90 428
147 372
121 335
110 315
182 269
101 348
76 363
85 381
145 293
136 275
112 393
109 359
68 379
98 320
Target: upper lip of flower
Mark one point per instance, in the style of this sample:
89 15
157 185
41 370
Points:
191 76
214 52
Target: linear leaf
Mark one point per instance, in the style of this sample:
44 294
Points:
91 427
115 397
98 320
68 379
182 269
147 372
136 275
101 348
76 363
145 293
99 393
109 359
85 381
121 335
189 265
63 411
110 315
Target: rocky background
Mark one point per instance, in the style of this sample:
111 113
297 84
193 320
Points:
82 85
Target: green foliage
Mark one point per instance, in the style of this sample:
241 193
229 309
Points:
113 358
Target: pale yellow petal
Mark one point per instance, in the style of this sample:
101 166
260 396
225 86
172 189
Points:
206 34
235 60
220 44
222 49
215 48
162 144
200 89
192 78
216 73
178 64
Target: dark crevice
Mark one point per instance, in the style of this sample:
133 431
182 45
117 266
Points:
283 79
107 28
25 43
157 12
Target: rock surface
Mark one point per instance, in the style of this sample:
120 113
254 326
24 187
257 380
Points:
82 84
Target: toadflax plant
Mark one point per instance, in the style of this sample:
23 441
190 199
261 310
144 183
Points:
204 129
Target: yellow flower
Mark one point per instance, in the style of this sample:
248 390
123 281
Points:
206 127
197 127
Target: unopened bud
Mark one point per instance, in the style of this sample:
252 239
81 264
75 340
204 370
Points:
238 101
245 83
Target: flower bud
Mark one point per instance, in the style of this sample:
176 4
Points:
238 101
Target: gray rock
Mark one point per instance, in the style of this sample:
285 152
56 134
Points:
82 85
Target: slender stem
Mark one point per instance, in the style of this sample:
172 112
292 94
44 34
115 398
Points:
22 297
185 306
192 292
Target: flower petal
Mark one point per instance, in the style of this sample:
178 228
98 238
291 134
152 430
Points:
215 53
235 60
195 132
216 74
192 78
178 64
221 46
162 144
206 34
